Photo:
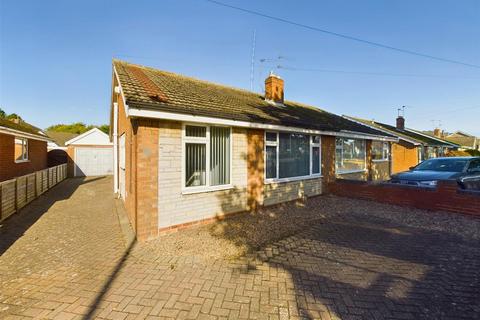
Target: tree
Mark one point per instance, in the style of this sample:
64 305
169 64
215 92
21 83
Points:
2 113
105 128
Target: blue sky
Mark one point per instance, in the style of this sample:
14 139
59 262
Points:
55 56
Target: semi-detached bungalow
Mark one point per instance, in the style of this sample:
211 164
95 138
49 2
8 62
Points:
412 147
23 148
187 151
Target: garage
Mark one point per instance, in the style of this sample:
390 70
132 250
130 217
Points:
93 161
90 154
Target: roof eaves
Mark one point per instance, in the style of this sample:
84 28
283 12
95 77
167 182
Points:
432 137
186 117
25 134
379 127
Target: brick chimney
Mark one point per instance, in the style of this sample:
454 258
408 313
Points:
438 133
400 123
274 88
15 120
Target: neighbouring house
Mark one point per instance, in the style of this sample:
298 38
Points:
188 151
59 139
23 148
464 140
57 150
90 154
412 147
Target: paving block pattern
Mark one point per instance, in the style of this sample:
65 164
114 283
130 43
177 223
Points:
65 258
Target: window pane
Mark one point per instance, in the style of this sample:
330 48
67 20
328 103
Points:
475 164
315 160
271 136
386 150
21 149
350 155
377 150
196 131
271 165
316 139
219 156
195 163
294 155
430 153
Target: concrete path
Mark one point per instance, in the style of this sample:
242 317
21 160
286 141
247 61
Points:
64 257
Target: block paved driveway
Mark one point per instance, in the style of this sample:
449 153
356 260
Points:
65 258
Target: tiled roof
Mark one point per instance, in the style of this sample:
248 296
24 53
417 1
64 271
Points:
431 140
22 126
61 137
379 126
408 134
463 140
148 88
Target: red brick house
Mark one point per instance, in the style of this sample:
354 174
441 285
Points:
412 147
23 149
187 151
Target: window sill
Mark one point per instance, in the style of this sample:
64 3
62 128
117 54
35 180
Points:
283 180
380 160
352 171
22 161
202 189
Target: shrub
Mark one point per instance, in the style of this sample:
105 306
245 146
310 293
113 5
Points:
474 153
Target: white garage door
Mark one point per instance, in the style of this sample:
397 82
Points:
93 161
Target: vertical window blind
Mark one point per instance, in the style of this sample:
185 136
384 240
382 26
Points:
195 164
207 156
219 156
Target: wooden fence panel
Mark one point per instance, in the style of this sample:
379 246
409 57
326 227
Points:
44 180
8 205
50 178
17 193
21 192
31 192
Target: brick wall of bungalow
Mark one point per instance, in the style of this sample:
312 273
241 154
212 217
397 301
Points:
37 157
154 199
125 128
404 156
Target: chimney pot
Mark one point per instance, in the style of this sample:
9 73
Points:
274 88
437 133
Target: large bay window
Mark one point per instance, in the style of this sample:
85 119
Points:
350 155
291 155
380 151
21 149
207 157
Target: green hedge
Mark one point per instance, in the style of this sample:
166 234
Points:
474 153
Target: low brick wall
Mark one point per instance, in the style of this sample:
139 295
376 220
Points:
446 196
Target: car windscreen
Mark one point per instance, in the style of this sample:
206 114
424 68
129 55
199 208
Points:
445 165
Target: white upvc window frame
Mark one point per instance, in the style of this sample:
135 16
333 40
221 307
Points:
385 151
25 152
276 144
350 171
204 140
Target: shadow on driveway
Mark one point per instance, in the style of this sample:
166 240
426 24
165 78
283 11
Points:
15 226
